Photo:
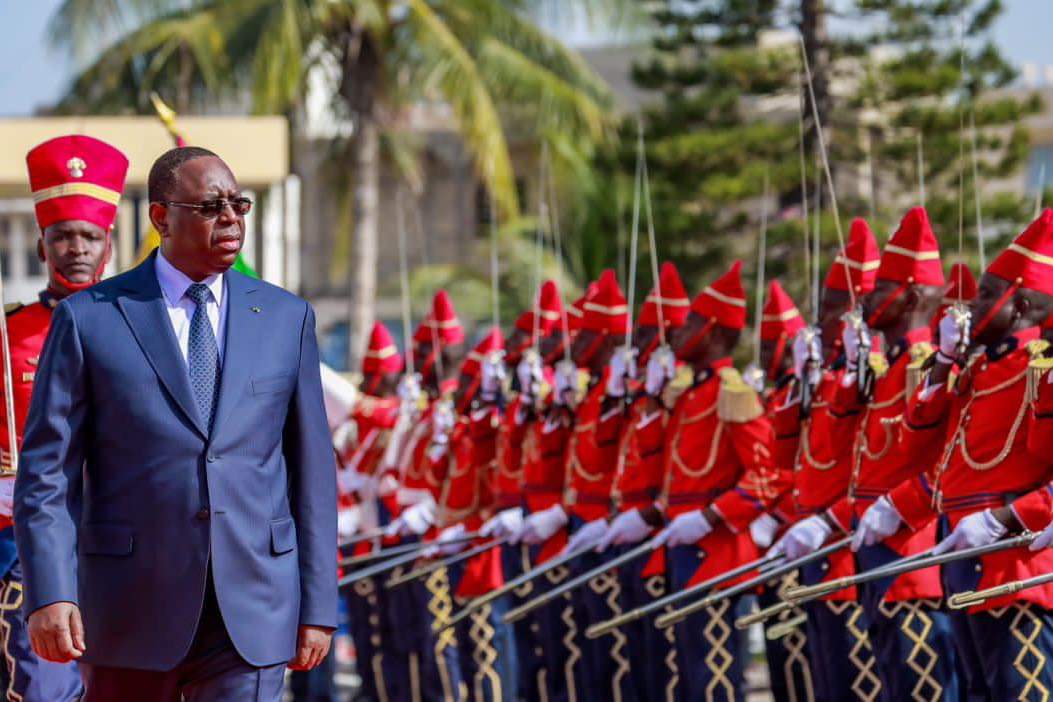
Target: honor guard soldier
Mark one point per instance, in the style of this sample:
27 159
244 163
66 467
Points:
534 345
839 649
592 459
76 183
962 288
638 482
910 634
718 479
358 480
544 529
438 348
787 655
467 501
989 443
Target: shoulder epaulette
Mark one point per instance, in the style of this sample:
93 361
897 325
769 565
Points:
1038 368
878 363
1037 348
737 401
681 383
13 308
920 353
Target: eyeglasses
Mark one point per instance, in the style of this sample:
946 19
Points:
210 209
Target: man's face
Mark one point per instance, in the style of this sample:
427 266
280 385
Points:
583 348
878 297
988 294
831 308
75 249
643 337
199 245
518 342
688 343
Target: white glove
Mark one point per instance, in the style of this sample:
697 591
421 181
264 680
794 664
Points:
566 383
493 377
880 521
686 528
978 529
349 481
506 524
763 530
450 533
805 537
443 419
409 392
852 338
807 345
414 520
753 376
622 368
955 328
661 368
7 496
347 521
588 536
627 528
541 526
530 374
1044 539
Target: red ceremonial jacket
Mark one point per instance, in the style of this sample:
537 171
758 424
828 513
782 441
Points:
592 457
987 442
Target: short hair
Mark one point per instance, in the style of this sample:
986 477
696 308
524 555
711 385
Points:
163 173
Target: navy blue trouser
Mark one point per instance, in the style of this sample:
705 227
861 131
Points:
529 661
651 650
1007 653
379 665
707 644
606 663
487 649
24 676
212 671
560 639
789 672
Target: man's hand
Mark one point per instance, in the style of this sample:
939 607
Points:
57 633
312 646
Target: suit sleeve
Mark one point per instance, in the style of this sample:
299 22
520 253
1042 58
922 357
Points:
50 475
312 475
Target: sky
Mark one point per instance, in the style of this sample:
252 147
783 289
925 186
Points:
36 73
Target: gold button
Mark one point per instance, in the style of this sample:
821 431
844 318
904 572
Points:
375 640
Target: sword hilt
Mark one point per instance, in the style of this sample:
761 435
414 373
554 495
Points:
780 629
803 593
762 615
964 600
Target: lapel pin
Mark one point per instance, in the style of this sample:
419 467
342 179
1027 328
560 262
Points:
257 310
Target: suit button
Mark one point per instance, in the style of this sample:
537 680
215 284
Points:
202 515
211 458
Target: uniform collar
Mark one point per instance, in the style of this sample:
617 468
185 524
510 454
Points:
920 335
712 369
1012 342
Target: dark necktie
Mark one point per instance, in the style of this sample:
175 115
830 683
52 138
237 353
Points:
203 354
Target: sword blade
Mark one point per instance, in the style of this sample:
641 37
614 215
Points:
425 570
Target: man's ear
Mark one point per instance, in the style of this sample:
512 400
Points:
108 253
159 218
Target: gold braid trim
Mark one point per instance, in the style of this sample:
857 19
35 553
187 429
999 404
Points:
736 401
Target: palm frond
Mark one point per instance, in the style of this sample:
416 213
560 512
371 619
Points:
451 70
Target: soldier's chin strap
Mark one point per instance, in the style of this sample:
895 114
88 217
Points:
776 358
875 316
592 349
995 308
645 354
372 383
69 284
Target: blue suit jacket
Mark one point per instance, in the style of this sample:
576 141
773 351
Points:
123 496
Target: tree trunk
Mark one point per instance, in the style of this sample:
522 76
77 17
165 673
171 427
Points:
816 46
366 198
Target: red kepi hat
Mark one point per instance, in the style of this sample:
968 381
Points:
382 356
1026 263
549 312
607 311
911 257
441 323
670 294
858 263
724 301
780 322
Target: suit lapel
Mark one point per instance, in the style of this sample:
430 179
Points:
145 311
243 338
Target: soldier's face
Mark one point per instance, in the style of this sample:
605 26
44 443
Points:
989 324
198 245
518 342
878 298
832 307
75 249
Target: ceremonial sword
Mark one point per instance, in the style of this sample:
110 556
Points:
597 630
641 550
402 549
429 568
905 565
671 618
970 598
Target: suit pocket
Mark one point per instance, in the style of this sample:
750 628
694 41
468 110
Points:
283 536
107 539
274 383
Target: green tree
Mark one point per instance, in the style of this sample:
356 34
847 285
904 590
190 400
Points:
484 58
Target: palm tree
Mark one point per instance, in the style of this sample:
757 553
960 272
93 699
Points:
484 58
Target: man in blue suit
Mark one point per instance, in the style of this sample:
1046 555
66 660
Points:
175 506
